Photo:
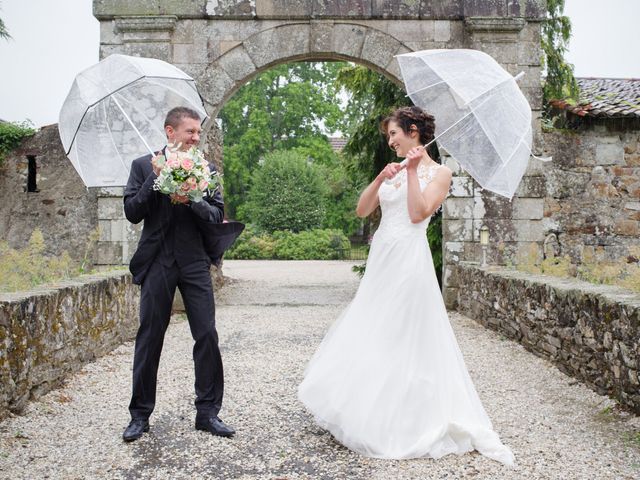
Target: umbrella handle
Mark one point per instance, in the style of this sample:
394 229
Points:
403 163
132 125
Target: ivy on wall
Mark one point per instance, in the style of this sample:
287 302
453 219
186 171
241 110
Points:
11 134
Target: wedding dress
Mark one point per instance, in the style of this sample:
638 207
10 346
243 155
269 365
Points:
388 379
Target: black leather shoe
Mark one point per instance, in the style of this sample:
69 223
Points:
135 430
215 426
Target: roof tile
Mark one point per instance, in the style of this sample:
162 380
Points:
606 97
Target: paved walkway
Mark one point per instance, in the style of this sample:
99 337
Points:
271 316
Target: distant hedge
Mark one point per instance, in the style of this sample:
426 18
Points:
316 244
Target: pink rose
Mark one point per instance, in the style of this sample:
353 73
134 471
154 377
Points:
173 162
187 164
192 182
185 187
203 185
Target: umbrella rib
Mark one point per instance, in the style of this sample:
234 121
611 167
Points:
471 111
404 162
493 88
111 137
182 96
132 124
190 80
146 118
521 140
425 88
80 170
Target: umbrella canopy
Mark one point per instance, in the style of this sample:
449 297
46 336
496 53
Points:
482 118
115 112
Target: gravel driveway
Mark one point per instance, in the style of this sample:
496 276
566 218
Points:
271 316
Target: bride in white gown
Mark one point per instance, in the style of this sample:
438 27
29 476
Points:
388 379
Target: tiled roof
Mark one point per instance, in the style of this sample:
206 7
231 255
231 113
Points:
606 98
337 143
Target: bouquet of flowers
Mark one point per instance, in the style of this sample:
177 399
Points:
185 173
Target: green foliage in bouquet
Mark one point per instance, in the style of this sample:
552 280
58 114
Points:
185 173
288 193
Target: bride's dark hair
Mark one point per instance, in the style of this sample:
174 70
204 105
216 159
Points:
404 117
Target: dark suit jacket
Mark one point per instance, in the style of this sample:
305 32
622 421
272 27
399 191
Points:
188 232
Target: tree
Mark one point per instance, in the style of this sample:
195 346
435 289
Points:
560 83
281 109
3 30
287 193
373 97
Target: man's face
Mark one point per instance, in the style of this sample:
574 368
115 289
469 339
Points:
187 133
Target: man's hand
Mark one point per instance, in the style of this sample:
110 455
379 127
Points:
179 198
154 163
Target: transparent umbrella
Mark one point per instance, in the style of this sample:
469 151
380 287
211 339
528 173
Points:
115 113
482 118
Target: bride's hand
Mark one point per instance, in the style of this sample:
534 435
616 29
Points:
390 171
415 156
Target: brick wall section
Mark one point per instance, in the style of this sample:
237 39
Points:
590 332
48 333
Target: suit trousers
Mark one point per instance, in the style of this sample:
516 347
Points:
157 292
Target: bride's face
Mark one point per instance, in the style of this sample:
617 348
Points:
399 141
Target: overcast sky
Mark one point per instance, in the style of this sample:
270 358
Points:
51 44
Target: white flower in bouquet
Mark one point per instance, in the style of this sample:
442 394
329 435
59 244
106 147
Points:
185 173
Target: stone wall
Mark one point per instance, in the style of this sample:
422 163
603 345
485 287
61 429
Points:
592 195
62 208
591 332
50 332
584 204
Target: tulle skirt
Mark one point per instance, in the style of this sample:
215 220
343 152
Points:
388 379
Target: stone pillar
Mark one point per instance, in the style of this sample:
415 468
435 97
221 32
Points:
139 36
516 227
118 237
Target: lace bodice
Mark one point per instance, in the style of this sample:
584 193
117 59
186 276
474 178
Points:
395 220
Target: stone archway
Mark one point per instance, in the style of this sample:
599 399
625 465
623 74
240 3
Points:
225 43
303 41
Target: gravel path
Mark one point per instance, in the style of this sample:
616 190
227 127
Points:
271 316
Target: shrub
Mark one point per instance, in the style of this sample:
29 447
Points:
252 245
284 245
287 194
255 248
25 268
311 245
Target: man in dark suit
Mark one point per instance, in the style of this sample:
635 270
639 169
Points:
172 252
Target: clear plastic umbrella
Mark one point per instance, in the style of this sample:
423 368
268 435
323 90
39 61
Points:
115 112
482 118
